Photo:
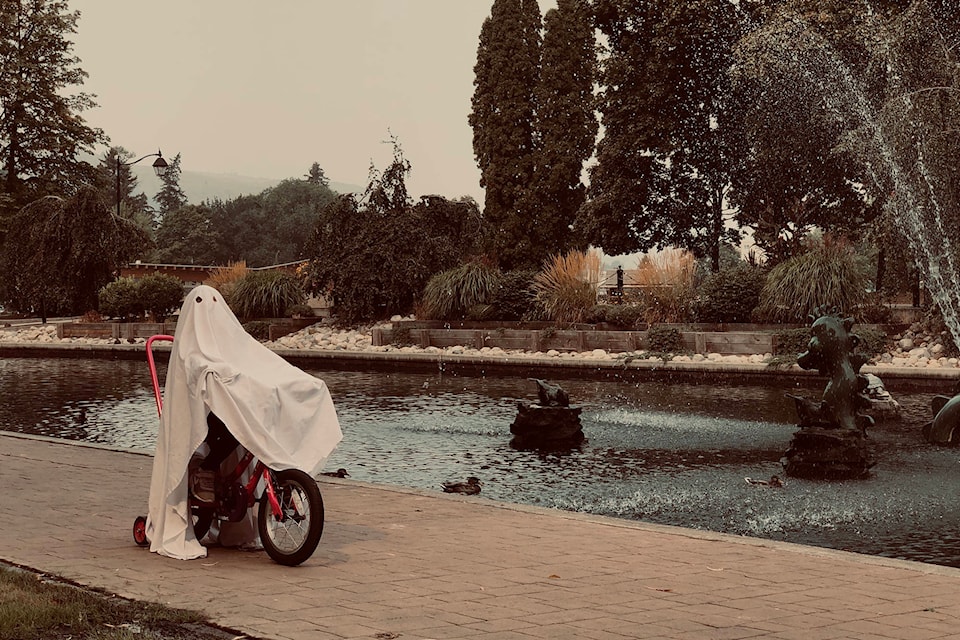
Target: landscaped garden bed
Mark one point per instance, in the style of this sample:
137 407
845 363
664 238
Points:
725 339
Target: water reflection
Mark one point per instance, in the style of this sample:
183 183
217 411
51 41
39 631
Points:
668 453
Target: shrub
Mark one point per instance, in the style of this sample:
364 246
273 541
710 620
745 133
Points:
266 294
830 274
401 337
91 316
598 313
566 289
791 342
450 294
120 299
666 281
259 329
160 294
626 316
872 342
662 339
874 309
731 295
300 311
515 298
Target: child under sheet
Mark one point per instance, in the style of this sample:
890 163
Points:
282 415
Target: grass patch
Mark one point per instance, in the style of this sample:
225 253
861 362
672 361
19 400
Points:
35 607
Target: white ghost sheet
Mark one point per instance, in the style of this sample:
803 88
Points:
282 415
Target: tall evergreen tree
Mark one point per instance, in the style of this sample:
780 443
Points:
41 131
316 176
171 197
502 117
566 126
131 202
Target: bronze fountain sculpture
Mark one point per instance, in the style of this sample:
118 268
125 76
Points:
832 440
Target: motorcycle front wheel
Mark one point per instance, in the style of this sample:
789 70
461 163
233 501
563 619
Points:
293 536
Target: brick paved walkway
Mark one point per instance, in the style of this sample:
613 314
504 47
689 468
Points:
397 563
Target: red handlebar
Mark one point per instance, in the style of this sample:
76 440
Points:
153 368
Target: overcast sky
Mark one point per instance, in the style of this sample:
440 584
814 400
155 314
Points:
265 89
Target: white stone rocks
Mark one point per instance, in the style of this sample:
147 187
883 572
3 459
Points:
922 351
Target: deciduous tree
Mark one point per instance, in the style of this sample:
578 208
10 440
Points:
795 175
186 236
372 255
61 251
271 227
664 163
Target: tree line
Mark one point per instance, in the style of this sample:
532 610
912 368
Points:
626 125
773 117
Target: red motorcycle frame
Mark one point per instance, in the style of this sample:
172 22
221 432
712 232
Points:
282 504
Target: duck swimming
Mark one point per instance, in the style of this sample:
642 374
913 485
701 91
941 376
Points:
469 488
339 473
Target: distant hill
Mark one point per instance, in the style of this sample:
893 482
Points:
200 185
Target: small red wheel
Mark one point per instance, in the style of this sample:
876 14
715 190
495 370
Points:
140 531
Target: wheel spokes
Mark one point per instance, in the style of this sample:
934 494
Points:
290 531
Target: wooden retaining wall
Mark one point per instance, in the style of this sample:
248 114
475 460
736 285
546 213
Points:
279 327
722 342
117 330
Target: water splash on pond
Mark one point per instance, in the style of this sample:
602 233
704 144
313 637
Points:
900 137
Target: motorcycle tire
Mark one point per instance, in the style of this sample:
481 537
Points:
294 536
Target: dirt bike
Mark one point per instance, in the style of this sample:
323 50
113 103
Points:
290 518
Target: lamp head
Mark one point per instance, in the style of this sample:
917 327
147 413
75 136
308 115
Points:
160 165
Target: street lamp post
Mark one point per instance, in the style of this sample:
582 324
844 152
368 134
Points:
159 167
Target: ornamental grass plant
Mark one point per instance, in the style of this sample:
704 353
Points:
829 274
266 294
458 292
666 280
566 288
224 279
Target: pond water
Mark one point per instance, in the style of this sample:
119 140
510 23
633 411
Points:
667 453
